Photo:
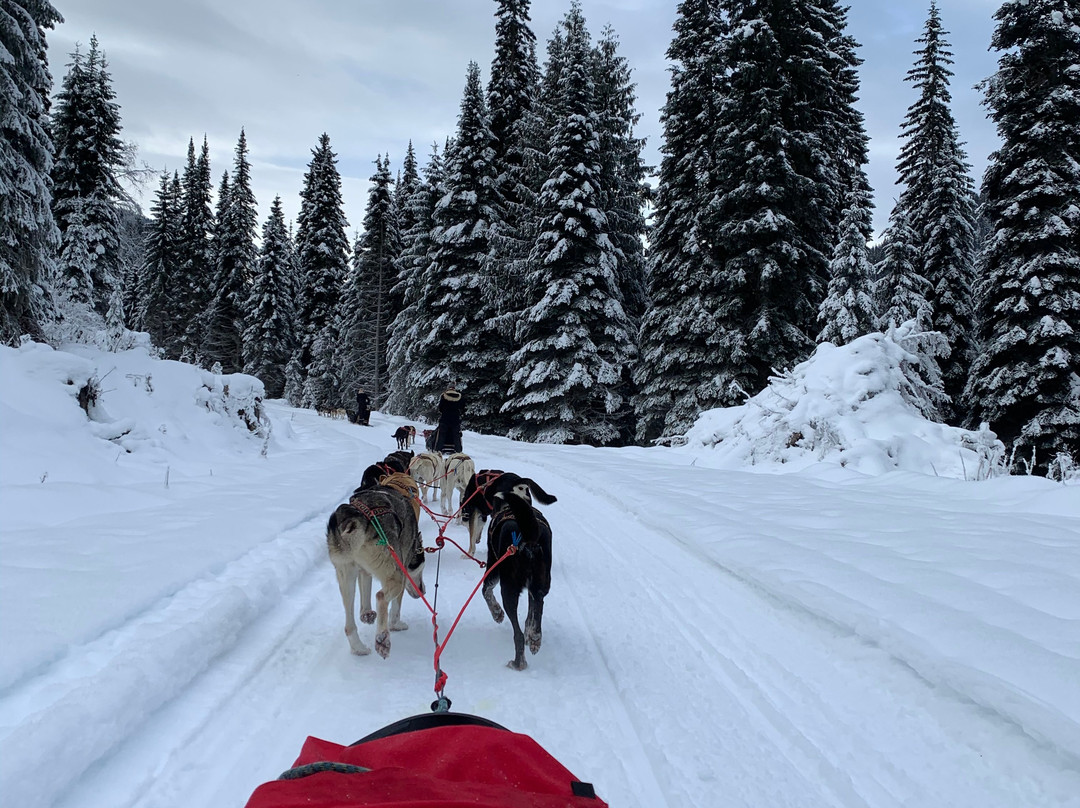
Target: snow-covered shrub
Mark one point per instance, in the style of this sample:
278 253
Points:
863 405
238 397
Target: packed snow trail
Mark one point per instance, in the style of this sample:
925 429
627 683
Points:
677 669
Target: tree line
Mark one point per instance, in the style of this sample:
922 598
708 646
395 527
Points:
513 264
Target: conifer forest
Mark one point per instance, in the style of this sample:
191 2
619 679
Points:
534 260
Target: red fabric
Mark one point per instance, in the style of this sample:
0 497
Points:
444 767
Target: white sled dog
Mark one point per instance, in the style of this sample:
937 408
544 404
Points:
459 469
358 554
427 469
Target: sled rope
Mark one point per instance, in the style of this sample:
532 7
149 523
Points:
440 675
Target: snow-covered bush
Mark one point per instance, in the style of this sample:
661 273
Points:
863 405
238 397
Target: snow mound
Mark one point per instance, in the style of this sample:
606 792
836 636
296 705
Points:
862 406
69 414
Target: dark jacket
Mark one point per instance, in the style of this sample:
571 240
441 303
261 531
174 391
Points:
449 434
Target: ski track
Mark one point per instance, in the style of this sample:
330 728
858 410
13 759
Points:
756 680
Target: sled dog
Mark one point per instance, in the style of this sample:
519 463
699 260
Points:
359 554
456 475
517 523
404 435
427 469
479 497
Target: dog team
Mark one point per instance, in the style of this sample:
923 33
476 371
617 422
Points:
376 535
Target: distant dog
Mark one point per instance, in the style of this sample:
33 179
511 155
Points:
458 471
427 469
431 439
405 435
360 551
518 524
478 499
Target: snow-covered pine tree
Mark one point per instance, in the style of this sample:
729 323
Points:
28 234
86 191
848 310
674 354
407 183
367 306
1025 381
323 255
769 225
512 91
195 256
134 227
160 275
223 339
270 335
900 290
938 203
406 396
461 344
624 190
569 377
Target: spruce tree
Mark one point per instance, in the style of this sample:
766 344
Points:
406 395
769 225
160 275
86 190
848 310
269 334
223 339
368 305
1025 381
624 191
460 347
323 256
28 234
901 291
938 203
195 256
674 354
570 375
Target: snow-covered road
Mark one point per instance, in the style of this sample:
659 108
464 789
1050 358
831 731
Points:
712 638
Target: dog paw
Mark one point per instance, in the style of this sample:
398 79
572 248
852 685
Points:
400 625
382 644
497 613
367 616
534 641
358 647
517 664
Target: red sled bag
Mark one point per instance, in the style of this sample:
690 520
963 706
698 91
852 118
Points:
435 760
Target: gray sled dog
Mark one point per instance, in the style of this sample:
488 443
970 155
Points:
459 470
356 551
427 469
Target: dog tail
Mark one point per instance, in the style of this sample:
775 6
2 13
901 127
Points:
340 522
541 496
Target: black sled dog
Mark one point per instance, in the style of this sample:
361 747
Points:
516 523
478 498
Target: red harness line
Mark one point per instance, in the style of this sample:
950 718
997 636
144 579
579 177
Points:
440 675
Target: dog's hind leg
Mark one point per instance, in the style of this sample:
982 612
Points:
346 577
510 597
390 590
533 620
489 598
367 614
396 623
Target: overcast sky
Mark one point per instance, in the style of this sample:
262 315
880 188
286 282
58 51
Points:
376 73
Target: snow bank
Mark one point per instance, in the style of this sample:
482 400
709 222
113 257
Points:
858 406
68 415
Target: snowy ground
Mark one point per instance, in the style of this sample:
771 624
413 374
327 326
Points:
713 637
